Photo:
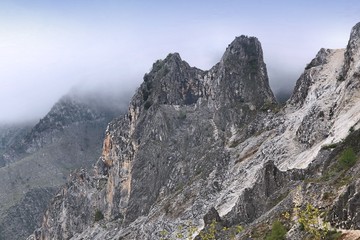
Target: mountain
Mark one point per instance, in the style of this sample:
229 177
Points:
201 152
37 159
10 133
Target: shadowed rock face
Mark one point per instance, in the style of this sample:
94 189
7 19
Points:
304 83
240 77
243 73
174 133
22 218
201 145
352 52
9 135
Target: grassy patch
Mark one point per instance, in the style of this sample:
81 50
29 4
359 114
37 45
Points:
327 195
279 198
333 235
259 232
337 172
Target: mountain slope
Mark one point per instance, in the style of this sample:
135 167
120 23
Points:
39 161
173 119
10 133
214 145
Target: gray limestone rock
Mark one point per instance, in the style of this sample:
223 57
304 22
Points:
202 145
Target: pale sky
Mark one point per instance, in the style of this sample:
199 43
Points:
48 47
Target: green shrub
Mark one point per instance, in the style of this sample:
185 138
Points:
347 158
310 221
333 235
211 232
351 129
182 115
340 78
98 215
278 231
329 146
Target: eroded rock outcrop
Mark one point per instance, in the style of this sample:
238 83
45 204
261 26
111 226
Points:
195 141
174 135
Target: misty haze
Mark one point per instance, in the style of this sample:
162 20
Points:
179 120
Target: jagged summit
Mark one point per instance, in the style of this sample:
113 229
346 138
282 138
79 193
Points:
355 34
171 81
352 53
243 70
198 144
173 57
239 77
243 47
319 59
306 79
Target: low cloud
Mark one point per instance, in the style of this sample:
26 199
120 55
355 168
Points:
43 54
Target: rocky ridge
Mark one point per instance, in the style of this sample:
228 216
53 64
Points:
38 159
194 142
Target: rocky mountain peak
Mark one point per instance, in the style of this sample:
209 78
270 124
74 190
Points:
171 81
355 34
173 58
194 147
242 74
352 53
321 58
306 80
239 77
242 48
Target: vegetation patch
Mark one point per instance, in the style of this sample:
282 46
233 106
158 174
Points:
278 231
270 106
182 115
347 158
333 235
329 146
337 171
98 215
279 198
259 232
310 220
211 232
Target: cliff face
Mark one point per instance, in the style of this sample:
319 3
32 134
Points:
175 134
200 144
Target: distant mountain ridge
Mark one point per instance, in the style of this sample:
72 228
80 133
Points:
37 159
10 133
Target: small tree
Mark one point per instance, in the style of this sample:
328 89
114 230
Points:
278 231
98 215
347 158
